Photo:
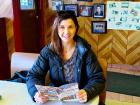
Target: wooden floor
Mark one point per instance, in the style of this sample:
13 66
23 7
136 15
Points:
114 102
122 99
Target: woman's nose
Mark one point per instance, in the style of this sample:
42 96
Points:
66 30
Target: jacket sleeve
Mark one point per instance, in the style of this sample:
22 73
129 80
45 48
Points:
36 75
96 81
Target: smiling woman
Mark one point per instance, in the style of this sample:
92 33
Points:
66 30
69 59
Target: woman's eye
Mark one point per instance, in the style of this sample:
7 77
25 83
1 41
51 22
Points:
61 27
70 27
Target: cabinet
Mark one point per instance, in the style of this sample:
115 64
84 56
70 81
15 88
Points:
4 55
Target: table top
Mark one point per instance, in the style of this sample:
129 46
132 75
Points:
13 93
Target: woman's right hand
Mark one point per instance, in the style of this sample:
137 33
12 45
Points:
40 97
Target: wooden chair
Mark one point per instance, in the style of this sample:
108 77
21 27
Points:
103 63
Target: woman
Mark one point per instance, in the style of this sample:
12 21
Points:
69 59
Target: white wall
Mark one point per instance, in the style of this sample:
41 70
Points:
6 9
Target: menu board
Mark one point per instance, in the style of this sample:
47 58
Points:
123 15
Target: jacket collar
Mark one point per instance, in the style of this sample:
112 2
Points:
82 46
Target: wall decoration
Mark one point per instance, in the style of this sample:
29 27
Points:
86 0
57 5
99 10
123 15
81 0
85 10
27 4
72 7
89 0
99 27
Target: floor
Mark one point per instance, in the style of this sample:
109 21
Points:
121 99
114 102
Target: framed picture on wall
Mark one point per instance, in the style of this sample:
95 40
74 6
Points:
85 10
86 0
27 4
71 7
99 27
57 5
89 0
99 10
81 0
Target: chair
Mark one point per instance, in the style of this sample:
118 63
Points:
103 63
24 61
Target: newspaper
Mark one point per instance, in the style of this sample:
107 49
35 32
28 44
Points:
65 92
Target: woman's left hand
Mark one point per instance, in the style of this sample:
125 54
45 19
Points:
82 96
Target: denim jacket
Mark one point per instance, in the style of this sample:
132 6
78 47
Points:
87 70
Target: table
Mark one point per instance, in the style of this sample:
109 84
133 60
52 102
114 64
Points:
16 94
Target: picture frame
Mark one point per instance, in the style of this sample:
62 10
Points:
89 0
99 10
86 0
57 5
99 27
27 4
85 10
81 0
72 7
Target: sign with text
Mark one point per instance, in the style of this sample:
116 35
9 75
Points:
123 15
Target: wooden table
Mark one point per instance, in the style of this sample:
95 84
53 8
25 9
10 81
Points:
16 94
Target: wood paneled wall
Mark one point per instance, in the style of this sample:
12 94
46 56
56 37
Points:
117 46
10 36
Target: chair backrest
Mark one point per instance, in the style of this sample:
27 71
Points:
103 63
22 61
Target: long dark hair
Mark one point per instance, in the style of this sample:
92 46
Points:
56 43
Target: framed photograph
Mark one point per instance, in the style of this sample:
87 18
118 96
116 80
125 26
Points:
72 7
86 0
27 4
57 5
81 0
99 27
99 10
89 0
85 10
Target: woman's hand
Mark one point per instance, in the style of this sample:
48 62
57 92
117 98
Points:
82 96
40 98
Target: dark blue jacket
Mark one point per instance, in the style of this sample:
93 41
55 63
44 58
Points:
87 71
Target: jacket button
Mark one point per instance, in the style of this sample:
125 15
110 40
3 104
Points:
78 70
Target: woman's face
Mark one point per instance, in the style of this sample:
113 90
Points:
66 30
